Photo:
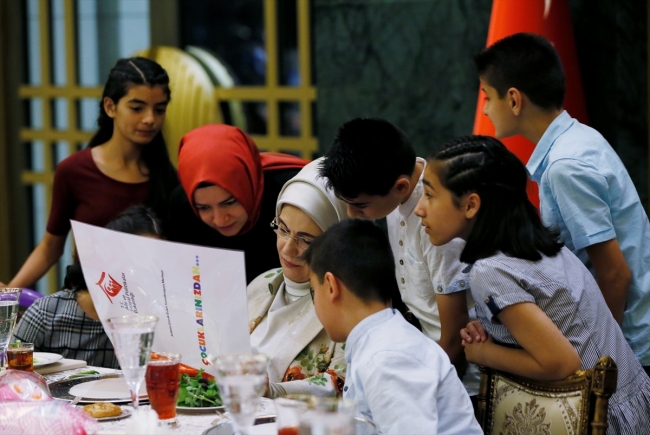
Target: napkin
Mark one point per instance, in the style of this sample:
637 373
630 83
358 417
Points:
61 365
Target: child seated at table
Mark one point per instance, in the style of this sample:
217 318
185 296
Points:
66 322
402 380
541 313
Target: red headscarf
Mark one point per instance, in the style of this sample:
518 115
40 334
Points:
226 156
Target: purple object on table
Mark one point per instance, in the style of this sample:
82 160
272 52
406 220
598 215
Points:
27 297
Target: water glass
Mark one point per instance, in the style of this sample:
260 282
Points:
163 379
241 380
288 414
20 356
329 416
132 337
8 311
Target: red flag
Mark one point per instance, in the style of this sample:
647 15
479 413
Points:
551 19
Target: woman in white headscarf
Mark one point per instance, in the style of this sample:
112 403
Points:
283 325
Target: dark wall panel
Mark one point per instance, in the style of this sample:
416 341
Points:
410 61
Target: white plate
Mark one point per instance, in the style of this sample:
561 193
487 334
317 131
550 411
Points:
199 410
44 358
110 389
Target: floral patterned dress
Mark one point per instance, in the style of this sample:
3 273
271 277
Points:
305 360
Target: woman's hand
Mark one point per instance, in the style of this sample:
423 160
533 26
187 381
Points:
473 332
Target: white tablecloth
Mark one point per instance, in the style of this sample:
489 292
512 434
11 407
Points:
194 423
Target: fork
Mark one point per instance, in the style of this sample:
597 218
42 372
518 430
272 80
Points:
75 400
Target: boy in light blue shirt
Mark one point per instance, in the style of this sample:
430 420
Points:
585 190
402 380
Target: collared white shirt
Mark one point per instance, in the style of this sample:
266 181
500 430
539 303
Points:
404 381
423 269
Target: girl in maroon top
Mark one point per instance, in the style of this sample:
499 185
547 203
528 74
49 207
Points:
126 162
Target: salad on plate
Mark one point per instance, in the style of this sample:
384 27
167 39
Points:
198 389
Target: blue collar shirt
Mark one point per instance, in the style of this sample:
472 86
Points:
586 192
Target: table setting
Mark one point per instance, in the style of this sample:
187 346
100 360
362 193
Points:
156 378
240 378
153 379
79 387
189 420
185 357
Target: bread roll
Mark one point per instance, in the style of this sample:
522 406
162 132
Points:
102 409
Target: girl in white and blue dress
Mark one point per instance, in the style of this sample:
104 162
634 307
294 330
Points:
540 312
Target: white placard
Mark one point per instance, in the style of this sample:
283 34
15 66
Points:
197 293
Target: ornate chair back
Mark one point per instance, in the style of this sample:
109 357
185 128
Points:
231 110
577 405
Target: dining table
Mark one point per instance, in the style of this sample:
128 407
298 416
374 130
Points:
195 422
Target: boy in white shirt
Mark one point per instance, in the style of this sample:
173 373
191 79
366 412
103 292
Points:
373 168
402 380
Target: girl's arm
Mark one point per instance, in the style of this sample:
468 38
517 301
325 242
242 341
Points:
546 354
48 251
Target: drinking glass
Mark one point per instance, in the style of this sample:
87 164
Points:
288 413
241 380
328 416
8 312
20 356
163 379
132 337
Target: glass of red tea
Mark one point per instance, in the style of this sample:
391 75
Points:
163 381
20 356
288 413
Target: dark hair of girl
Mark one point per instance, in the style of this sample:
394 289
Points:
126 73
506 220
138 219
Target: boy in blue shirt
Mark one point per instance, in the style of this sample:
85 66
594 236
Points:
584 188
402 380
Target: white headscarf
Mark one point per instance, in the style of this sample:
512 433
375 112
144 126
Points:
307 191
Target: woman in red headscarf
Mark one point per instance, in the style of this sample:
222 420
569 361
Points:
228 195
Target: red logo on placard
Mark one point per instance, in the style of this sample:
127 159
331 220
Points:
110 287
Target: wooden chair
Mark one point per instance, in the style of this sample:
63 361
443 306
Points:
219 73
577 405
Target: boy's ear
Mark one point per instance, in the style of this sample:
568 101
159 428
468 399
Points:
515 99
472 204
403 185
333 286
109 107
